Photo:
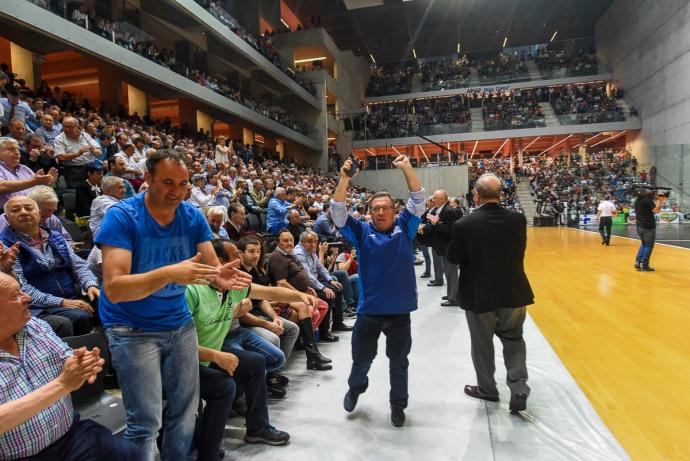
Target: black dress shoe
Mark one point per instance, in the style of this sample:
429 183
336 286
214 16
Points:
445 298
518 402
350 400
397 417
450 304
328 338
473 391
341 327
425 275
435 283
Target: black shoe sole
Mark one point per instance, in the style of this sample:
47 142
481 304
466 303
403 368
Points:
275 443
318 366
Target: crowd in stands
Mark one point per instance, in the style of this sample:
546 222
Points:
503 68
566 63
263 43
577 183
138 42
501 168
386 80
408 118
587 103
437 75
519 109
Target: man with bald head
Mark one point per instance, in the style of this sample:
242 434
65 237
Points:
489 246
440 220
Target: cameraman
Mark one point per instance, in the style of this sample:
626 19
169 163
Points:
645 207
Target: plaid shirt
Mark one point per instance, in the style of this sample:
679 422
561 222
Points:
41 357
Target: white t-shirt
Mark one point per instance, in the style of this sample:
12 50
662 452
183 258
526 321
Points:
606 209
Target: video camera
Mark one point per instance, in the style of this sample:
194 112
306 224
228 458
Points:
643 190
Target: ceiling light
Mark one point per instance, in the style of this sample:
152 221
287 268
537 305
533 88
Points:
553 36
284 23
505 40
320 58
372 58
458 47
414 53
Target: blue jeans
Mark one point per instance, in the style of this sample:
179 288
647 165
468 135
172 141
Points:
245 339
647 238
365 338
151 365
348 292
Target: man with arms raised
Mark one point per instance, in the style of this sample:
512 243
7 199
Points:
389 290
153 245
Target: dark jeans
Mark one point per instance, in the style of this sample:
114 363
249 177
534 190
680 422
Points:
86 441
605 223
335 309
219 389
647 238
365 338
79 321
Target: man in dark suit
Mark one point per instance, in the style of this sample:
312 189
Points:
441 219
489 245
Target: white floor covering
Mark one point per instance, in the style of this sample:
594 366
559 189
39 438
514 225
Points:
442 422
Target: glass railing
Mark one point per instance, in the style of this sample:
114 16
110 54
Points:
591 117
406 132
566 72
125 34
515 124
450 84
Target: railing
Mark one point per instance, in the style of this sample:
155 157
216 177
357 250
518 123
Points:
492 125
591 117
405 132
565 72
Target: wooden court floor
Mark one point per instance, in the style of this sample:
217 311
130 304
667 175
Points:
623 335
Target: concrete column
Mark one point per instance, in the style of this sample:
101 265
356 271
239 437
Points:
109 87
188 114
281 148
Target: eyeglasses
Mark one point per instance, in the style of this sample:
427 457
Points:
378 209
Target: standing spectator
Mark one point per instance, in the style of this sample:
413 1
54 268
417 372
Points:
387 279
74 149
14 109
117 166
489 246
143 306
223 152
278 208
645 207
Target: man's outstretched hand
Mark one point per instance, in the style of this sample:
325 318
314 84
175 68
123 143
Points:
402 162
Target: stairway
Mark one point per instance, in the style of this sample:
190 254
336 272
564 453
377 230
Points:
477 119
549 115
533 71
524 193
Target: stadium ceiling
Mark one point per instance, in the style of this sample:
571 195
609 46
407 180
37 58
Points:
390 29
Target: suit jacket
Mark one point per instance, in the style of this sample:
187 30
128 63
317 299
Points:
439 233
489 246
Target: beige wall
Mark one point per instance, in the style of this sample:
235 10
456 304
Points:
137 101
22 63
204 121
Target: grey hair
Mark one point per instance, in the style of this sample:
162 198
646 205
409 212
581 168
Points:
306 234
5 140
215 210
6 208
109 182
487 189
43 194
279 191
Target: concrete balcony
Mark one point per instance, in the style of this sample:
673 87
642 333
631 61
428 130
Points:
61 31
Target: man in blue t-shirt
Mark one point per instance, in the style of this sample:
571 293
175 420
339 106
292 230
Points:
153 245
388 289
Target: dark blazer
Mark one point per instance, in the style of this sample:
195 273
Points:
440 232
489 246
85 195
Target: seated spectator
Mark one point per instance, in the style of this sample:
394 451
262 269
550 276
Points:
37 154
246 198
215 216
49 270
117 165
224 195
17 179
47 202
295 225
200 198
90 188
38 373
327 287
235 226
48 129
74 149
113 191
278 208
17 131
323 226
278 323
260 197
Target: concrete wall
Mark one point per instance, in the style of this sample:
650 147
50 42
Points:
646 44
453 179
